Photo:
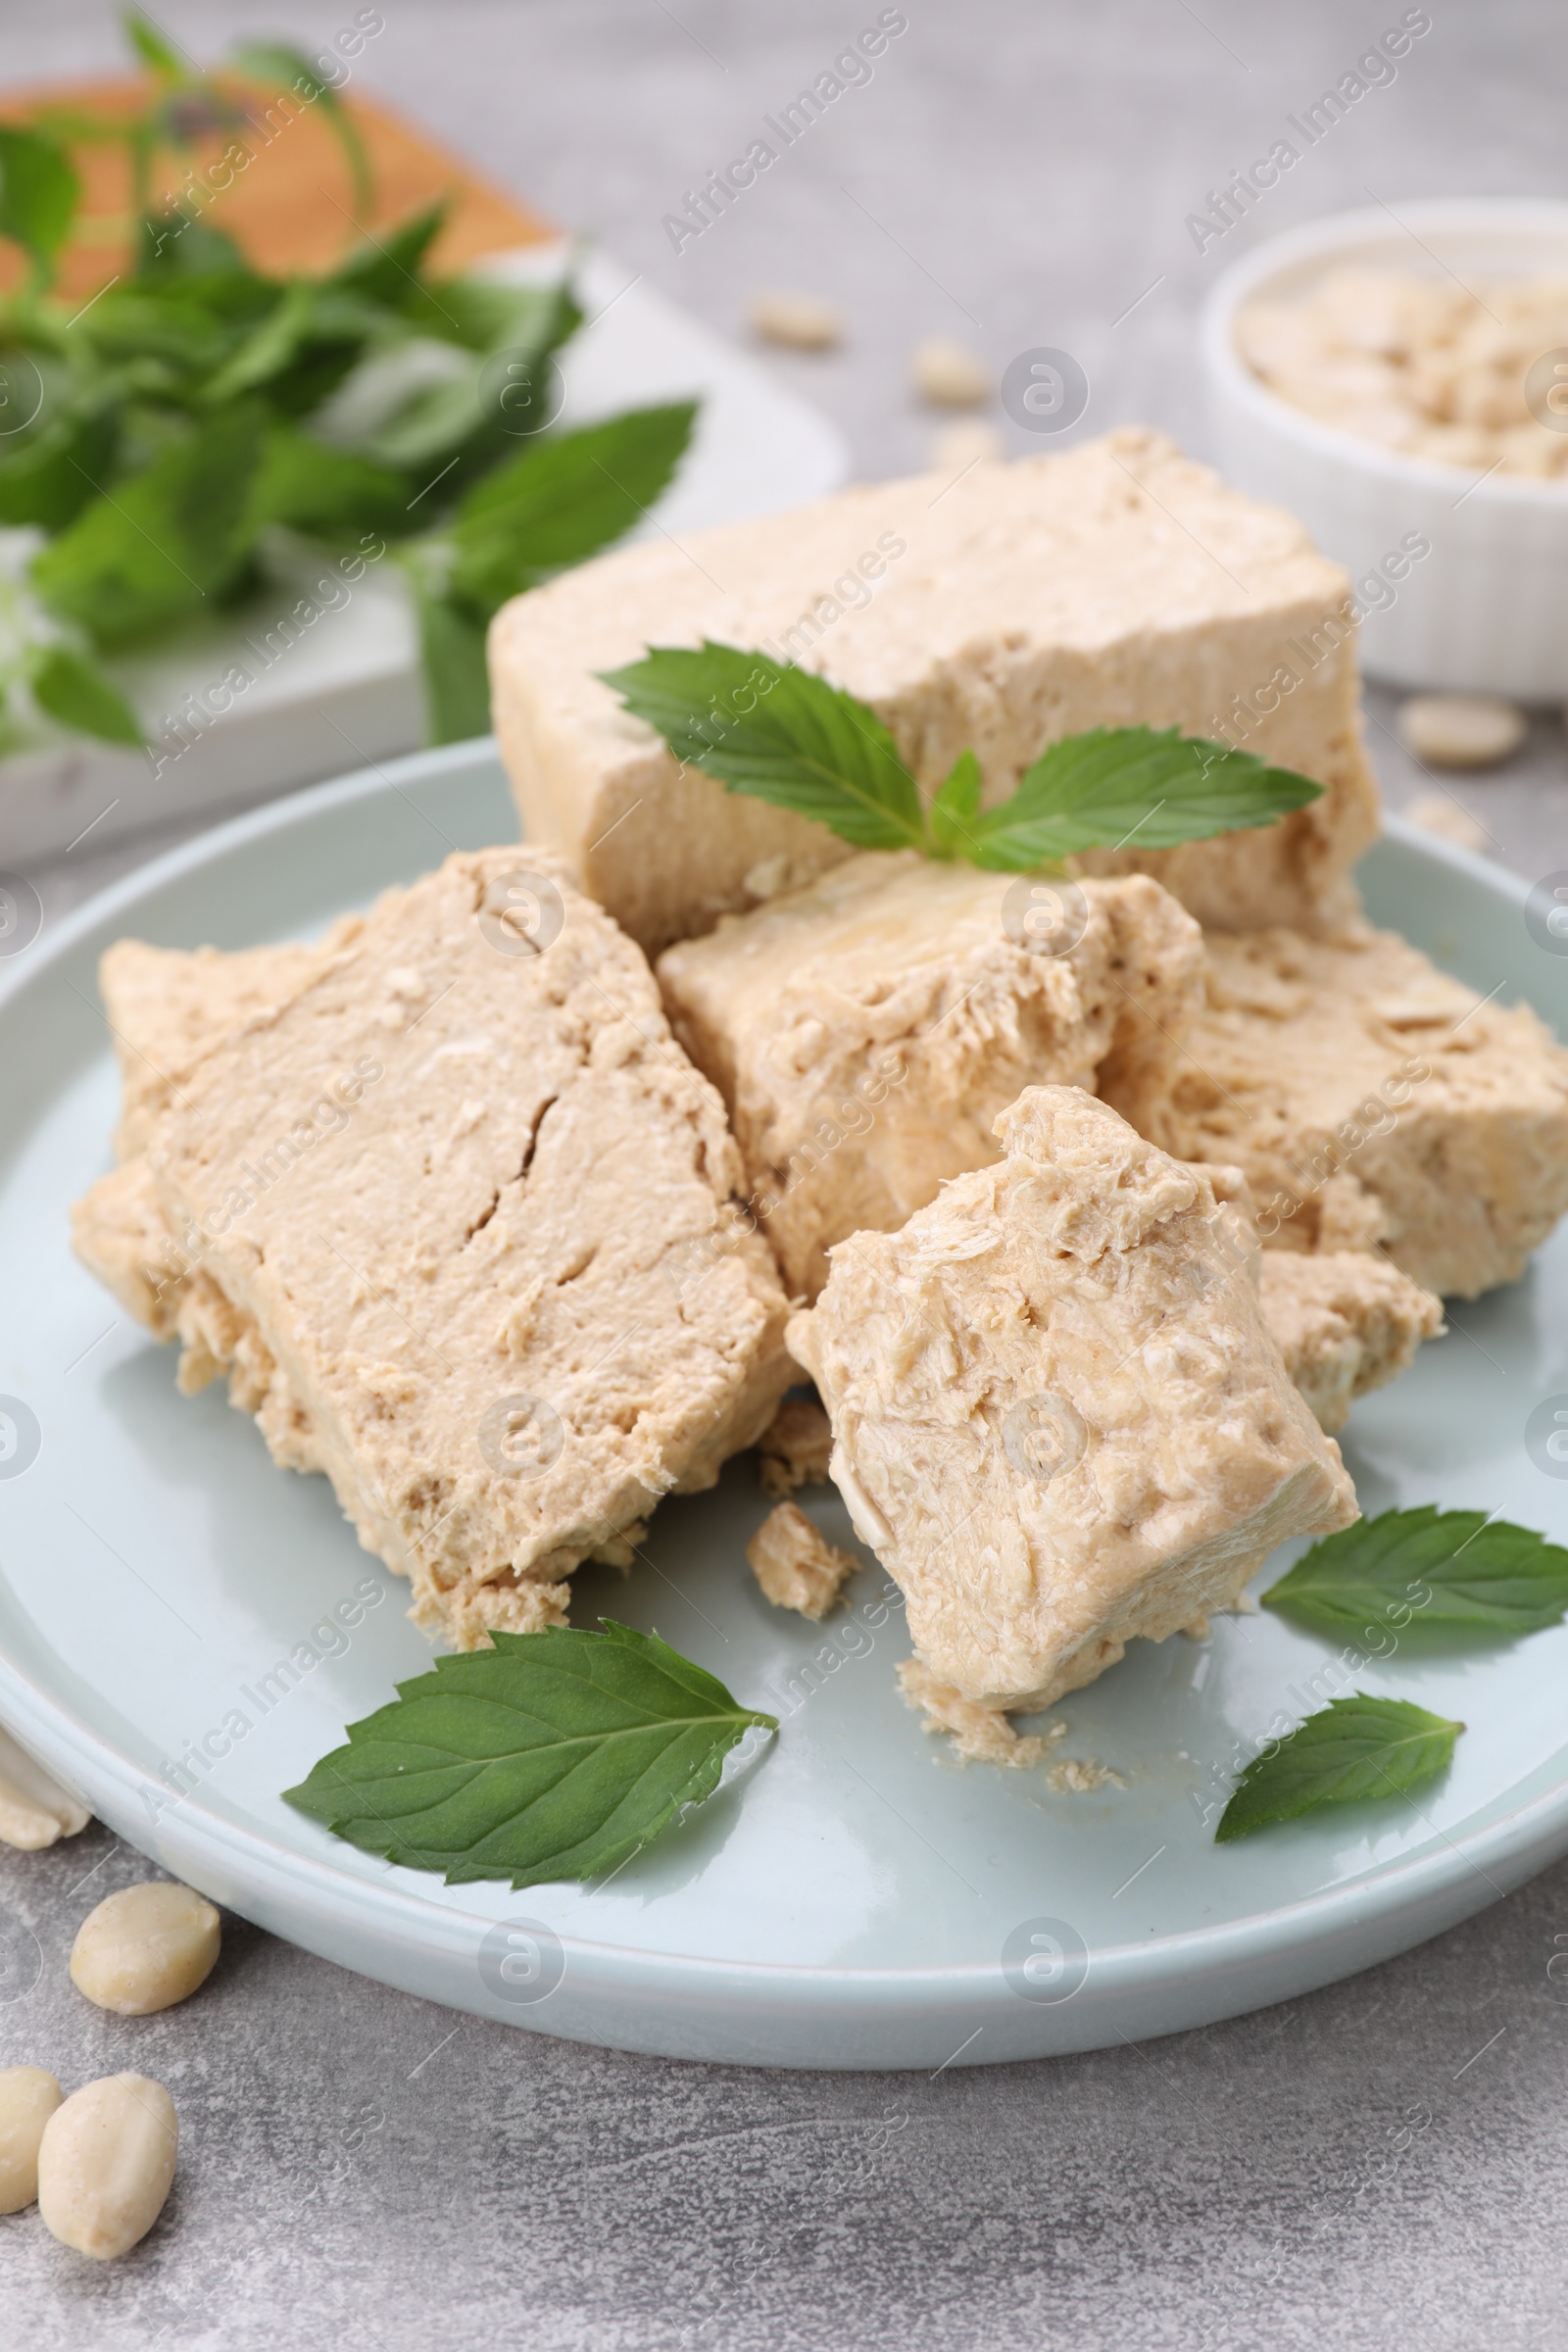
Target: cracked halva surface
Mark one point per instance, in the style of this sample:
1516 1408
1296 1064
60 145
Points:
457 1221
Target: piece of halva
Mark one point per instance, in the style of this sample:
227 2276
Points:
1370 1099
978 1734
166 1006
436 1214
867 1030
795 1448
794 1564
1113 585
120 1232
1059 1418
1345 1321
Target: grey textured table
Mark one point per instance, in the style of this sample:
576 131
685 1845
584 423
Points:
364 2172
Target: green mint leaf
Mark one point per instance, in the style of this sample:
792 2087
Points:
812 748
73 690
153 49
47 473
268 350
1429 1567
166 333
486 316
781 735
384 268
38 195
1136 785
432 426
328 492
276 63
956 805
1357 1748
464 416
552 1755
457 684
562 499
162 545
177 246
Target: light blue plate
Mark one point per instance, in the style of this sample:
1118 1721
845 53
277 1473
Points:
851 1898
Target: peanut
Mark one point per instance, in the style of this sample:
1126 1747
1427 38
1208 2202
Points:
104 2164
28 2097
1442 372
950 375
34 1810
1461 730
798 320
145 1948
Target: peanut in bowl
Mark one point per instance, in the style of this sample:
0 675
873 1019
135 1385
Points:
1400 379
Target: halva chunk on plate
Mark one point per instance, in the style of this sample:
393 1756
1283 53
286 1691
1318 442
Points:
1059 1420
1370 1099
121 1233
978 1734
796 1448
1345 1321
867 1030
1117 584
167 1007
435 1216
794 1564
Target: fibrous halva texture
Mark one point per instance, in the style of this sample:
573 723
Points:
1345 1321
977 1735
796 1448
1117 584
1059 1418
1370 1099
796 1566
436 1215
867 1030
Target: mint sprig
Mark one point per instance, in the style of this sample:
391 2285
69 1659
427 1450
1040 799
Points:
558 502
784 735
163 434
781 735
1355 1748
552 1755
1434 1567
164 543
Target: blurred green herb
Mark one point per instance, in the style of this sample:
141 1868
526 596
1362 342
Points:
165 438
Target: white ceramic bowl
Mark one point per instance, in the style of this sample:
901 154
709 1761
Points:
1487 611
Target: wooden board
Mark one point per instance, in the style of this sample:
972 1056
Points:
291 207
